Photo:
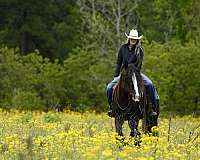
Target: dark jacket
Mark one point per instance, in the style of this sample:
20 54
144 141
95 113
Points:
135 56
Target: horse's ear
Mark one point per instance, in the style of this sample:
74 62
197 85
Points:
126 64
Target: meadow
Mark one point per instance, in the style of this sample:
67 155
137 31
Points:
72 135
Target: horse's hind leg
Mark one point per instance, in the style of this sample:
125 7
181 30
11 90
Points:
118 125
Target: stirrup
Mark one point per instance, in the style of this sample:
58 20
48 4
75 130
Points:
110 113
153 113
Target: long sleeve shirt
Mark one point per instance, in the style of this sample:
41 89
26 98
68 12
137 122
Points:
133 56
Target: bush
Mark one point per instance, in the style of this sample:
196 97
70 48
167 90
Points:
33 82
30 81
86 76
27 101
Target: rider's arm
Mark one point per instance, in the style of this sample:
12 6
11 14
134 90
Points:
119 63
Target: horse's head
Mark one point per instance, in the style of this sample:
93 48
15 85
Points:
131 79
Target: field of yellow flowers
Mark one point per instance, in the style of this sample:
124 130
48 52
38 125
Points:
71 135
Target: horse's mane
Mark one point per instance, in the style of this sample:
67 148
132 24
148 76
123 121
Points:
127 71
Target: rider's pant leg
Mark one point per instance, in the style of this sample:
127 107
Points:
151 90
110 89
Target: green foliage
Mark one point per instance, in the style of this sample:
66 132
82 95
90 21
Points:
171 19
49 26
85 35
174 69
183 90
27 117
51 118
156 62
32 82
29 82
86 75
27 101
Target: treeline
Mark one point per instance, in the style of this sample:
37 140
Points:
34 82
65 51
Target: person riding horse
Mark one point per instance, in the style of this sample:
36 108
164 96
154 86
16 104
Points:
133 53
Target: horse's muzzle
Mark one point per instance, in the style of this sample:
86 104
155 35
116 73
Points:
136 98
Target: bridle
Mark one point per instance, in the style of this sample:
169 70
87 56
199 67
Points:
130 95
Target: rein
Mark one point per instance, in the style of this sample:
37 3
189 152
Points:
116 98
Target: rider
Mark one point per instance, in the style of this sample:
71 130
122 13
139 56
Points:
132 52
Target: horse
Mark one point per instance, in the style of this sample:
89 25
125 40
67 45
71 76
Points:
130 102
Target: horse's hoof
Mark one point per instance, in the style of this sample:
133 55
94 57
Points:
136 99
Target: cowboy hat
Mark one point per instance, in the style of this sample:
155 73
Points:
133 34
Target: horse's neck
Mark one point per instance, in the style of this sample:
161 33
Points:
122 94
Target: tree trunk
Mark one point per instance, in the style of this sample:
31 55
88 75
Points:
24 43
24 35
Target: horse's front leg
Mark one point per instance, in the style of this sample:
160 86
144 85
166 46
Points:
133 124
118 124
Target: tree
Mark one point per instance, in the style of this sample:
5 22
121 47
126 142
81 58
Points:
170 19
118 17
48 25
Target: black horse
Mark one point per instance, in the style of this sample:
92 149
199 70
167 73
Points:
130 101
